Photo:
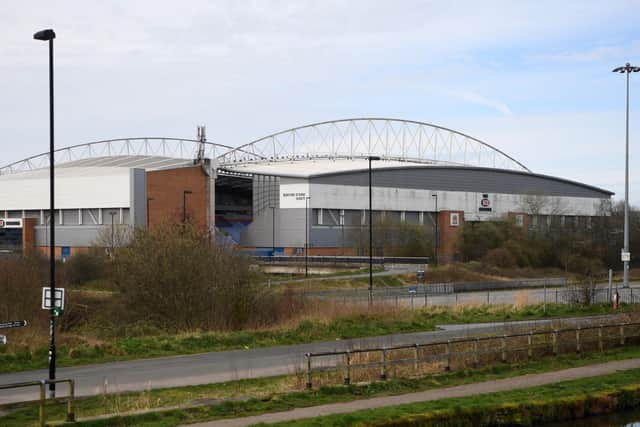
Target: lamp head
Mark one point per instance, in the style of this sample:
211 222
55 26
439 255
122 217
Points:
375 158
45 35
628 68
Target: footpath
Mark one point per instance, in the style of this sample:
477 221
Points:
506 384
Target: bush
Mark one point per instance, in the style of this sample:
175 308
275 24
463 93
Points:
174 275
500 257
86 267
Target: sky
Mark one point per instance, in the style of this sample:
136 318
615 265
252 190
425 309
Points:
531 78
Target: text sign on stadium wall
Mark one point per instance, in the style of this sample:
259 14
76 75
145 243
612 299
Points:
293 196
10 223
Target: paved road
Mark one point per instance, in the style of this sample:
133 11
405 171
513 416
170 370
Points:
493 386
215 367
514 296
392 270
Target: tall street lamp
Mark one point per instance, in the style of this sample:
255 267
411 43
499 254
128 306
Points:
436 246
371 235
627 69
184 205
49 35
306 236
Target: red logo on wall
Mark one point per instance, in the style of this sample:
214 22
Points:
1 223
485 203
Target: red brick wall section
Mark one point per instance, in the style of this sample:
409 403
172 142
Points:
448 235
165 190
28 234
44 250
525 219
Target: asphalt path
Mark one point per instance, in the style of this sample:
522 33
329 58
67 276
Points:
494 386
206 368
511 296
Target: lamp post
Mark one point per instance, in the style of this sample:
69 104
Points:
371 235
436 245
49 35
306 236
184 205
627 69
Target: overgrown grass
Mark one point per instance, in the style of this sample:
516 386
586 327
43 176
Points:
250 397
322 325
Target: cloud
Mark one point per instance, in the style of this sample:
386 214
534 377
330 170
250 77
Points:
484 101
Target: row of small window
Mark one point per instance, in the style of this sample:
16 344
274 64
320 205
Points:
358 217
578 222
96 216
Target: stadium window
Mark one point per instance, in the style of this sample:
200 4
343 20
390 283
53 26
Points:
454 219
520 220
331 217
317 216
412 218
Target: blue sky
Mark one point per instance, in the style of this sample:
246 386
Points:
532 78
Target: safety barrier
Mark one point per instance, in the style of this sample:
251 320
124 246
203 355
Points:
42 384
476 351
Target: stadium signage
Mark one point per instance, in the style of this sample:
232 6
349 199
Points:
293 195
485 204
10 223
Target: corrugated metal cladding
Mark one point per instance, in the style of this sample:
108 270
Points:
465 179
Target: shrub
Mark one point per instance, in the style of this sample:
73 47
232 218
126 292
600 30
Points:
500 257
174 275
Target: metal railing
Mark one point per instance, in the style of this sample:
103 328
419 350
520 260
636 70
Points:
42 417
473 351
317 259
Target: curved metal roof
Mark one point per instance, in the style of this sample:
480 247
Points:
391 139
399 141
123 152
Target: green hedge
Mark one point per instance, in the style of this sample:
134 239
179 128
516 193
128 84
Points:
526 414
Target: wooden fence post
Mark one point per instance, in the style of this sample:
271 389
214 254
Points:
417 351
529 349
476 360
448 367
309 384
347 378
578 340
554 342
504 349
600 344
383 375
621 334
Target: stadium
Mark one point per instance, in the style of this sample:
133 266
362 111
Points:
305 188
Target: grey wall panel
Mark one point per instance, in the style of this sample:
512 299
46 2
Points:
138 196
79 236
464 179
289 229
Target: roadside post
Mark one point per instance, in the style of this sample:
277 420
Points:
610 284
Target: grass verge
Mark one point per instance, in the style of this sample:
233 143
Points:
532 406
251 397
381 320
